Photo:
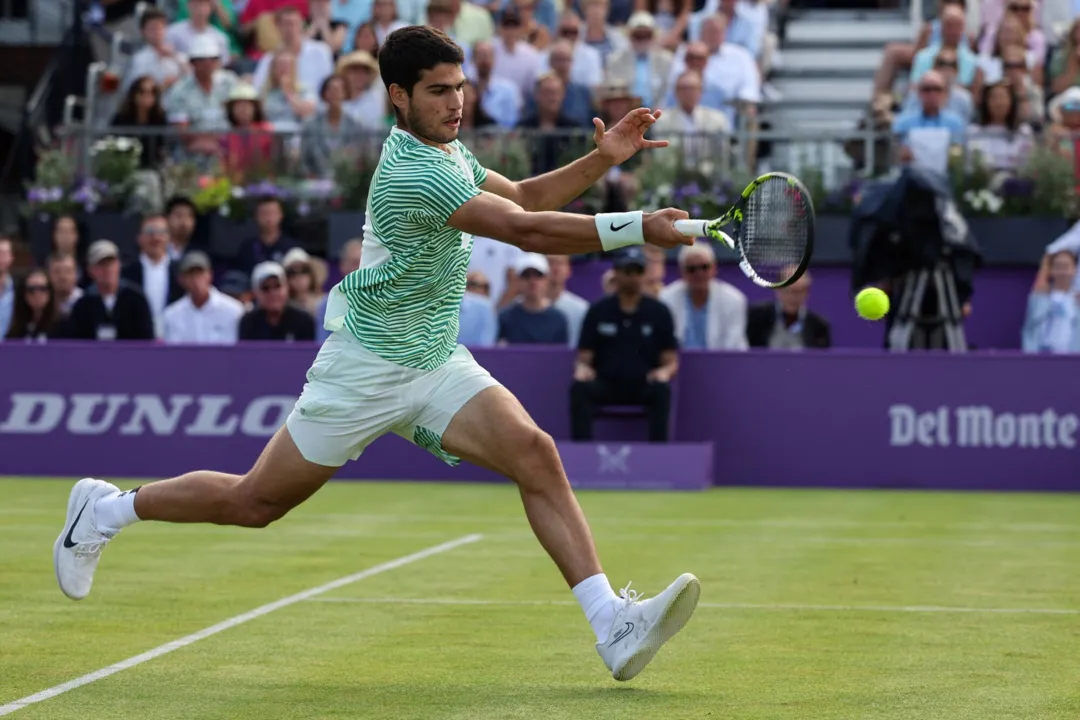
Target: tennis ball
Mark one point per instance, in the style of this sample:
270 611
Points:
871 303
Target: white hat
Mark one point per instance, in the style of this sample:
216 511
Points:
532 261
101 250
204 48
641 19
296 255
265 271
1066 100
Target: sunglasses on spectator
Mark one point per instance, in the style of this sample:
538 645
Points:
37 289
945 64
511 22
641 36
1017 8
294 271
699 267
932 88
696 56
473 285
531 274
1015 65
632 270
270 285
568 32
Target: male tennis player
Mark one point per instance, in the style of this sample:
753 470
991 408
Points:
392 363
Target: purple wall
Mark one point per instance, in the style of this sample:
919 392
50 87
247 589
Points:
841 418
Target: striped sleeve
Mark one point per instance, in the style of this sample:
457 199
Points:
479 171
434 187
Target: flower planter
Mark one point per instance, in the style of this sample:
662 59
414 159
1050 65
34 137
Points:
1015 240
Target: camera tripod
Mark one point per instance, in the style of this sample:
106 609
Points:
941 331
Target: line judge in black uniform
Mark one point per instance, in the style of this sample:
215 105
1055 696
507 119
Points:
110 309
627 354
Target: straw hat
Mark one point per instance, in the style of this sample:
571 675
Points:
358 57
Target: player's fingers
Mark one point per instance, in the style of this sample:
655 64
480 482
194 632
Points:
656 144
657 113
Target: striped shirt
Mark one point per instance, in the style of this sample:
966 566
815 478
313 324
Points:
403 302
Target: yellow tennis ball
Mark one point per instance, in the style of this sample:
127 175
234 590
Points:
871 303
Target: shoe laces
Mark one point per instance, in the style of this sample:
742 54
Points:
90 549
630 596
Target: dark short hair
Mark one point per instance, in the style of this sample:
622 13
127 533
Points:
410 50
180 201
329 79
151 14
264 199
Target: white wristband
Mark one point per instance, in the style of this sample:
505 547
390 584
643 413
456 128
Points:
618 230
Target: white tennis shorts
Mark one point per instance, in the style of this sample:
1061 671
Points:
352 396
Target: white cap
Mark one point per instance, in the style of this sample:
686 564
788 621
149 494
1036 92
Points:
641 19
296 255
532 261
203 47
266 270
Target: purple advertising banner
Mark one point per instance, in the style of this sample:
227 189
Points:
842 418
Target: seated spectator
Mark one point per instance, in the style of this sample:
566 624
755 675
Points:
222 16
533 320
1052 324
306 277
478 324
1032 104
1065 61
730 73
699 131
900 56
1011 34
197 101
7 285
746 24
1030 34
204 315
572 306
1068 242
182 33
931 116
271 243
67 239
331 131
181 216
348 262
577 105
968 73
141 108
249 146
516 60
1063 135
627 354
64 280
644 65
366 39
259 21
536 33
696 58
323 27
273 317
1000 137
158 59
34 318
500 98
496 260
551 140
472 115
672 18
153 272
314 59
786 323
586 63
598 33
286 101
957 99
384 20
110 309
708 313
366 98
471 23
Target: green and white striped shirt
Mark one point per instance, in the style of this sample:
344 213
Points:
404 301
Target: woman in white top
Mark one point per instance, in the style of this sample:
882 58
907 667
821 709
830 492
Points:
1000 137
1052 324
286 102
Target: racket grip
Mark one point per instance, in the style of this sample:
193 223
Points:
691 228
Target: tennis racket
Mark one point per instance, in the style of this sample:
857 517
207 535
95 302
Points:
774 230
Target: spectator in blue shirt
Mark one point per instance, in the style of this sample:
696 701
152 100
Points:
577 104
930 114
478 325
499 97
953 23
533 319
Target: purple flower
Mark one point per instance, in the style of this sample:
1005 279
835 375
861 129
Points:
695 210
36 195
693 189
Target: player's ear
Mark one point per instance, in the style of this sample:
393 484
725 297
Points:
399 96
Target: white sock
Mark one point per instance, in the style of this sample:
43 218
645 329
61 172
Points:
598 601
116 511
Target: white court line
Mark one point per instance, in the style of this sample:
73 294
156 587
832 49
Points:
723 606
233 622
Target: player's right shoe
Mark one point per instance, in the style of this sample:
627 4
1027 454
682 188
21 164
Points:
78 549
641 627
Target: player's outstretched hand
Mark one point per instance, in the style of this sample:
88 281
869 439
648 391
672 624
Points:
659 228
621 142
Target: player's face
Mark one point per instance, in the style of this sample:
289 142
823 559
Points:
433 113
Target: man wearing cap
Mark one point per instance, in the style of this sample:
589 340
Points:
708 313
154 272
109 309
273 317
158 58
627 354
644 65
532 320
198 99
205 315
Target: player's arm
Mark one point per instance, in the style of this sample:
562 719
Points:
551 190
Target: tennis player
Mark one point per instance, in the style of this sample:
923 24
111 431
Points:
392 364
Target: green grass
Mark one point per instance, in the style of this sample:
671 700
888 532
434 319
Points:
758 549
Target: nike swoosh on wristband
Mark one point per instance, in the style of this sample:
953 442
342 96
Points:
67 540
617 229
623 633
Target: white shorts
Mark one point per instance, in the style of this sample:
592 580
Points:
352 396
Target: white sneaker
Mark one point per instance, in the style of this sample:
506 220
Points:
641 627
78 549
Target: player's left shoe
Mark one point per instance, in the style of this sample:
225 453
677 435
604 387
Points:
78 549
641 627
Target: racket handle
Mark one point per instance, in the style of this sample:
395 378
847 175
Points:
691 228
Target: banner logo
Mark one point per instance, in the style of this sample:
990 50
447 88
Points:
980 426
613 462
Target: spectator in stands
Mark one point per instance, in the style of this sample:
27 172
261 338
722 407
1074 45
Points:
1065 61
384 19
699 131
572 306
471 23
314 58
550 141
204 315
708 313
306 276
644 65
1032 102
958 99
746 24
627 353
259 21
348 262
1052 324
142 109
222 16
154 273
271 243
66 238
7 285
367 40
110 309
911 127
729 72
577 103
500 98
696 58
323 27
598 33
1063 134
181 215
1000 137
478 324
1011 34
672 18
273 317
35 318
331 131
182 33
786 323
250 144
653 283
197 100
587 64
535 32
64 280
286 101
533 320
900 56
496 260
1030 34
968 73
158 58
516 60
366 103
473 116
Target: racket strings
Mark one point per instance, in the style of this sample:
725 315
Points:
776 230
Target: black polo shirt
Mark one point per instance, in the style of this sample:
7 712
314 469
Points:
295 324
626 346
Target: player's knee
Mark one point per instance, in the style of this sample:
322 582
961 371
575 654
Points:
252 511
536 460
